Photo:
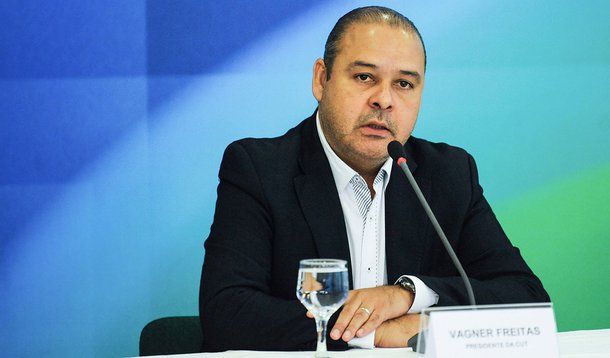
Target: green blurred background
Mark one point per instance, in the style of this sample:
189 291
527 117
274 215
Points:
562 231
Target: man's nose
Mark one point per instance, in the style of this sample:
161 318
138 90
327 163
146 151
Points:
381 98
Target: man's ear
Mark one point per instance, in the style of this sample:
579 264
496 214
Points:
319 79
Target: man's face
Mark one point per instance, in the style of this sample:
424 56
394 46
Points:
373 94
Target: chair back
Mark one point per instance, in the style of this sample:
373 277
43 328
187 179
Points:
171 335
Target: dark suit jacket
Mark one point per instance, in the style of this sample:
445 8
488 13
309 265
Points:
278 204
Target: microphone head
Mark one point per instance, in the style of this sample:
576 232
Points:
396 150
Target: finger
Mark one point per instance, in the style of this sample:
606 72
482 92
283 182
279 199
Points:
309 314
343 320
361 316
349 309
374 321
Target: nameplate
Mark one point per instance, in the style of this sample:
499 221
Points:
515 330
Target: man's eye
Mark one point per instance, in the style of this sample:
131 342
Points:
363 77
405 84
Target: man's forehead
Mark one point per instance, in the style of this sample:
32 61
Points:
375 43
379 35
367 29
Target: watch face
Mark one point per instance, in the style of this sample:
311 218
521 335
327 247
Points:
407 284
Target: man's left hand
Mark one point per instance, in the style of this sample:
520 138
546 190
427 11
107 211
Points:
366 309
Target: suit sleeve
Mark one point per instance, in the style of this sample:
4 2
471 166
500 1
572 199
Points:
238 308
496 270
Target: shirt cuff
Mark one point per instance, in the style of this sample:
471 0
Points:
424 296
367 342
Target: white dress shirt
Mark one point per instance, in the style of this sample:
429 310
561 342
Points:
367 236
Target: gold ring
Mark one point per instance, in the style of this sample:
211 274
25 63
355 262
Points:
365 310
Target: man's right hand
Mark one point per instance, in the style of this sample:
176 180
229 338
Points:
395 333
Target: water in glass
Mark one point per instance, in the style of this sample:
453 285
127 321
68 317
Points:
322 287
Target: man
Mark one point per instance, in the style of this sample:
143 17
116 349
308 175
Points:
327 189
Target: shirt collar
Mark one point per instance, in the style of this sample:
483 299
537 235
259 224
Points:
342 172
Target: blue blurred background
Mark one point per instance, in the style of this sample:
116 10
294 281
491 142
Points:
114 116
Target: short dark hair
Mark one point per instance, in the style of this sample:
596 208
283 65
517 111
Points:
368 14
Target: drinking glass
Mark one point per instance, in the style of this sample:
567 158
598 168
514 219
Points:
322 287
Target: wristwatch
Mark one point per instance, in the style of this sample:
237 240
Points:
406 283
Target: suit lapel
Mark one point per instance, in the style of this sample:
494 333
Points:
406 223
319 199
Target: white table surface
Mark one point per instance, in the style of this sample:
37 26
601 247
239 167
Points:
574 344
584 344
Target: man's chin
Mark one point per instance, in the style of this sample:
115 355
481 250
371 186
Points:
377 149
378 155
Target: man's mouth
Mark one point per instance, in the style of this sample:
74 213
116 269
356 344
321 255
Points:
376 126
376 130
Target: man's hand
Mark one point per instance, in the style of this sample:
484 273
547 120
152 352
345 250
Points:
396 332
367 308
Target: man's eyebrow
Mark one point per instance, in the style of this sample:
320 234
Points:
362 64
412 74
358 63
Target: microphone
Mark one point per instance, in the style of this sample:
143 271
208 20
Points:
397 152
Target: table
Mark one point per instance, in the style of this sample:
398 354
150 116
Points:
584 344
574 344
